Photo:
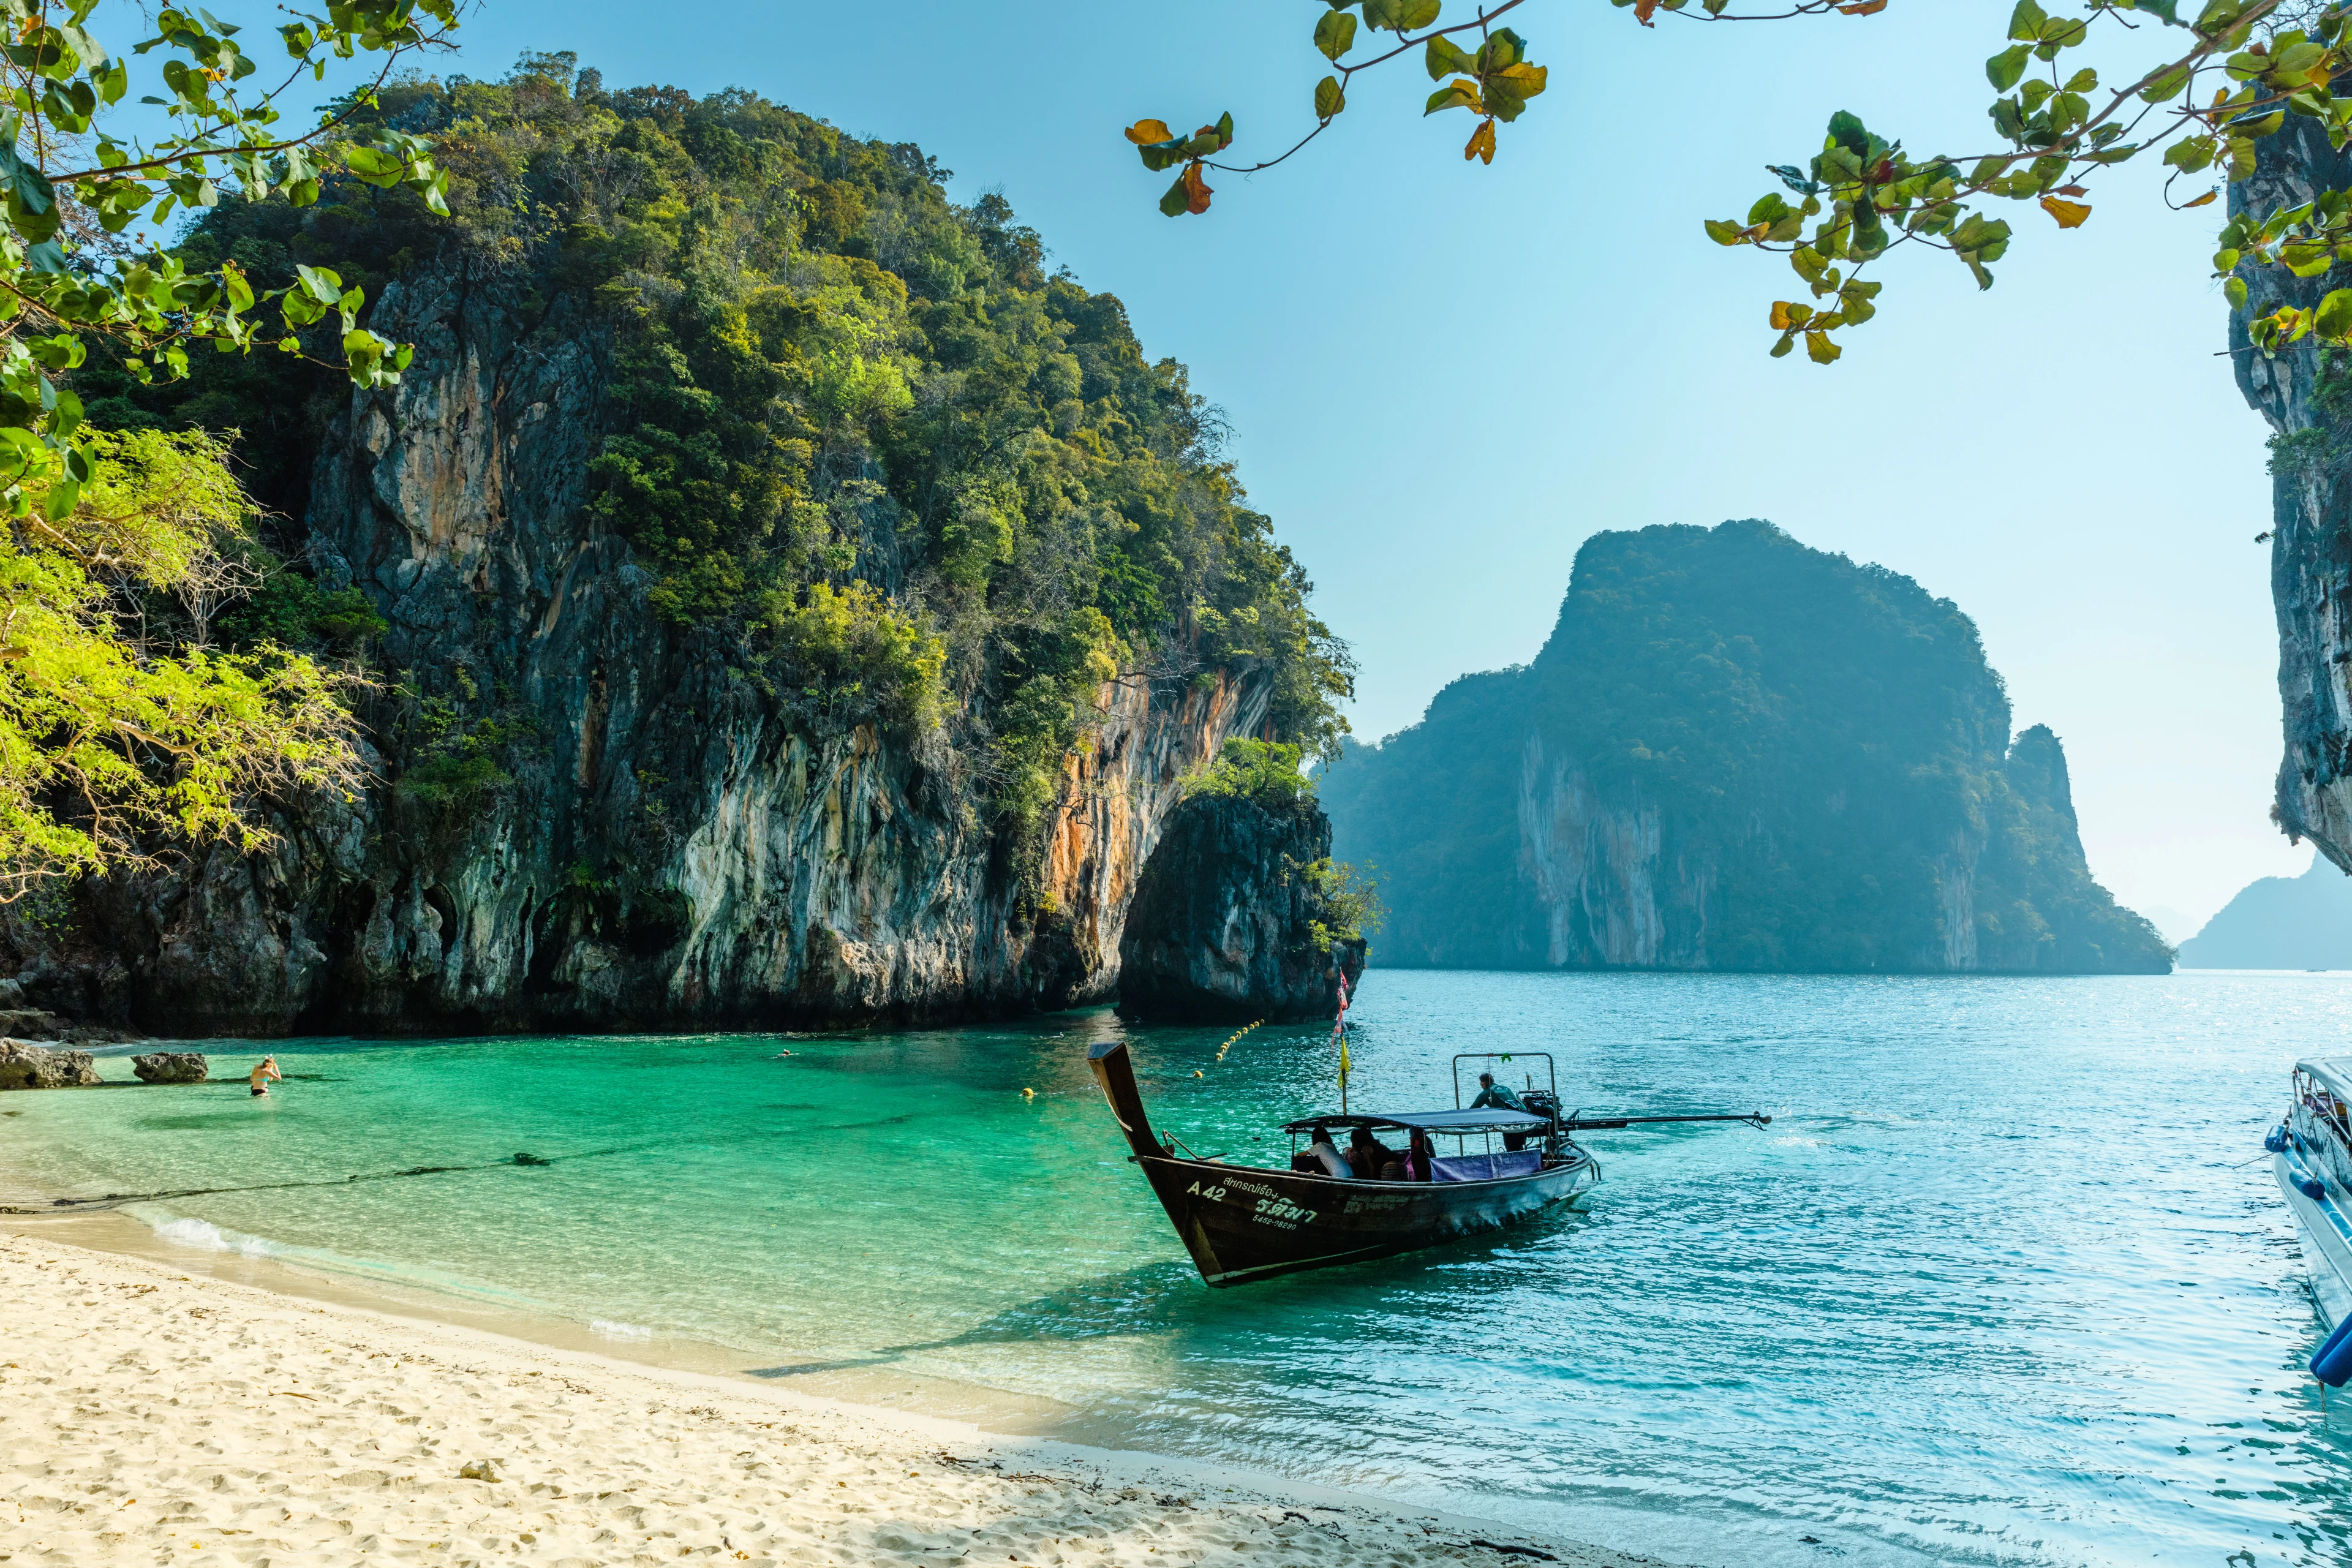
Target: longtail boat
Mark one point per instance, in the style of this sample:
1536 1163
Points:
1243 1223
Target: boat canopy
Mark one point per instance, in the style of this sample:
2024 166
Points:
1485 1119
2335 1074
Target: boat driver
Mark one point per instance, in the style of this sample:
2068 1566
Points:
1499 1097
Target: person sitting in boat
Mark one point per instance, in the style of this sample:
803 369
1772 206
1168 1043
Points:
1325 1157
1499 1097
1419 1153
1372 1160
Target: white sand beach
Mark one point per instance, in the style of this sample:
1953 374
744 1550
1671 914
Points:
150 1415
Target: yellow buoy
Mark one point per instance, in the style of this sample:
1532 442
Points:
1028 1094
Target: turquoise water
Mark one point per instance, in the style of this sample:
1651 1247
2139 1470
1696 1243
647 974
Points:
1999 1285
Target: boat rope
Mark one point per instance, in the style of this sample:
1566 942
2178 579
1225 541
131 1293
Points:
524 1160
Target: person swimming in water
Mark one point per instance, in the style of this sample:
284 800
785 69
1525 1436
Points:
266 1070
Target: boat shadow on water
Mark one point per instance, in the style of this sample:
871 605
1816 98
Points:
1166 1300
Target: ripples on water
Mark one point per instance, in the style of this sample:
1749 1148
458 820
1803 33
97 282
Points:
1997 1285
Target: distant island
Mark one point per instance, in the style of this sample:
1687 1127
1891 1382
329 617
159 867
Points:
2279 922
1734 752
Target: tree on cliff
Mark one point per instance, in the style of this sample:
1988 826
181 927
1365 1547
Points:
871 450
118 724
2209 84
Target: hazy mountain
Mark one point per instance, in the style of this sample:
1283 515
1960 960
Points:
1734 752
2279 922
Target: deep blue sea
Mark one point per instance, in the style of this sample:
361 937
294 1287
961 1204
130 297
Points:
2006 1280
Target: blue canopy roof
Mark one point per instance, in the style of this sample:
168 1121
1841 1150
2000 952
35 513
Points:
1485 1119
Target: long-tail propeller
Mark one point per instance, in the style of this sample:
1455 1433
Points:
1580 1122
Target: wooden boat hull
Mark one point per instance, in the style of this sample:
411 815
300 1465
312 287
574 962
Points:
1242 1222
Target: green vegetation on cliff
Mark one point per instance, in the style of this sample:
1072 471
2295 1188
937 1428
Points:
911 475
1735 752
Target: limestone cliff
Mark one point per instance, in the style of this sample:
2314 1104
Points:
1221 929
784 598
1734 752
680 849
2304 396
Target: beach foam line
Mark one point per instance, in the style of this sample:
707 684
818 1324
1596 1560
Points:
631 1334
205 1236
154 1415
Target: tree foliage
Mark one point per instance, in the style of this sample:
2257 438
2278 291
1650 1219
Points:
1265 774
2205 86
114 733
908 472
107 743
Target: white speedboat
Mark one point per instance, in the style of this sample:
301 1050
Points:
2311 1154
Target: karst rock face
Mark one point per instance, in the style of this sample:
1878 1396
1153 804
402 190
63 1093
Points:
2305 397
681 852
1221 929
1735 752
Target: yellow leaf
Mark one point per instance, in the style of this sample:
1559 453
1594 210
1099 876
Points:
1482 142
2200 201
1786 315
1523 78
2070 214
1144 133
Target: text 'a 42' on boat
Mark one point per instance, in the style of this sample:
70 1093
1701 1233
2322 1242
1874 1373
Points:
1334 1205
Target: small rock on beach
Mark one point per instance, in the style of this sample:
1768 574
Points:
171 1067
34 1066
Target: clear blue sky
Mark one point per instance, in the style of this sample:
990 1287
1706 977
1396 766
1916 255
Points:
1443 377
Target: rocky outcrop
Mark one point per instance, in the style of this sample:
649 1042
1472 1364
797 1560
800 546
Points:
1221 926
33 1066
682 847
171 1066
2310 500
1734 753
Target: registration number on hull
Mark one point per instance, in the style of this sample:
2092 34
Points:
1277 1212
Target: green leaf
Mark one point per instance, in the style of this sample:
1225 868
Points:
2234 291
2026 22
2334 317
1503 47
1178 199
1847 131
1445 58
2003 69
1335 33
320 283
1328 99
1724 233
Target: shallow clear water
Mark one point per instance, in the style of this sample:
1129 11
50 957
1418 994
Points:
2006 1280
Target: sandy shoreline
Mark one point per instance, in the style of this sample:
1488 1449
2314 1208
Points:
150 1414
